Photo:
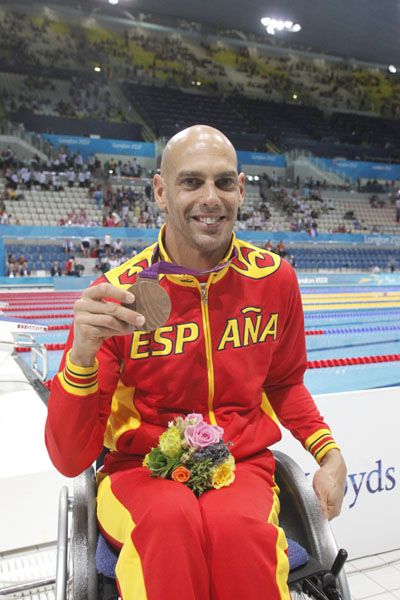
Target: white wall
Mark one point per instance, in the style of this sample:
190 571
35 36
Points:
365 424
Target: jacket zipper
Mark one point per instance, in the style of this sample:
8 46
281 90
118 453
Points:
204 298
207 338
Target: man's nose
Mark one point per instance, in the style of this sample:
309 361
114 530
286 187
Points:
211 194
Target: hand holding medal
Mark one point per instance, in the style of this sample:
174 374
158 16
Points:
151 301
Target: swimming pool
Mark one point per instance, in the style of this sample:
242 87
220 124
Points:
339 323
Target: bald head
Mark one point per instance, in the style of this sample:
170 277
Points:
194 140
200 190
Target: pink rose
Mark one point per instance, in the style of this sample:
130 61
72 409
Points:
197 416
203 434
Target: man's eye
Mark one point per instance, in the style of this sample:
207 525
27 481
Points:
225 183
191 182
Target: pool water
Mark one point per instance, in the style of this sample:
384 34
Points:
359 331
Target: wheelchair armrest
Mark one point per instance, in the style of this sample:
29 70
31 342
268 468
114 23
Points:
301 515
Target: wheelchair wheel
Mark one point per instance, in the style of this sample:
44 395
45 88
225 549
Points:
302 519
335 594
83 585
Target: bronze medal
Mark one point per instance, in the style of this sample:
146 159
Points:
151 301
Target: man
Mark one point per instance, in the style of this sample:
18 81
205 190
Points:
398 207
232 349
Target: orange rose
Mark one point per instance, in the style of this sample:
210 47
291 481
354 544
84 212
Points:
180 474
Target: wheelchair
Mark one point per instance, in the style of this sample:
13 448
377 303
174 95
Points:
315 562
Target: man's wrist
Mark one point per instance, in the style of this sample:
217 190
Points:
81 360
332 455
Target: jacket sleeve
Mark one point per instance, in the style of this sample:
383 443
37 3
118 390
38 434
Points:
79 407
286 392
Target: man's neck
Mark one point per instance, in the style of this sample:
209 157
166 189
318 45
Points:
197 261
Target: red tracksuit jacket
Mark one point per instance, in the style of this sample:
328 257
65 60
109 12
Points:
232 349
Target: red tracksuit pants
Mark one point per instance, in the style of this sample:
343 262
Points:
225 545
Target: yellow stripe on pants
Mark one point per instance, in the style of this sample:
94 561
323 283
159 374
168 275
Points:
282 566
117 522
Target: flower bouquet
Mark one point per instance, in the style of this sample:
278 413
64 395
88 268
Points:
192 452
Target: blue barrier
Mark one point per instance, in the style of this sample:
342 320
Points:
88 146
362 169
261 159
348 279
305 280
147 236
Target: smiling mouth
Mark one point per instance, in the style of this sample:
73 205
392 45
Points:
208 220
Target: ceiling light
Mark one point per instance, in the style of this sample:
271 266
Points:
392 69
97 69
113 2
273 25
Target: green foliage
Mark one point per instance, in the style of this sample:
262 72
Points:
160 464
200 476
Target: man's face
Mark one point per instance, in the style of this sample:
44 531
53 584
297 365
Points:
200 191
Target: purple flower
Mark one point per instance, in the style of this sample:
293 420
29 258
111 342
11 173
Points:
203 434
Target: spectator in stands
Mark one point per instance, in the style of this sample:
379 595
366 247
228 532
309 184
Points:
70 266
86 246
118 247
88 178
55 182
68 246
43 181
114 261
280 248
136 168
116 218
313 229
148 191
78 161
9 157
109 220
81 179
392 264
268 246
398 207
71 177
55 269
12 266
23 267
98 196
107 244
376 202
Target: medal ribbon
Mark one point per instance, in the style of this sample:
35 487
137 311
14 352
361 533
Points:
162 267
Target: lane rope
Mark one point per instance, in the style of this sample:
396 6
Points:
313 364
374 313
353 330
356 360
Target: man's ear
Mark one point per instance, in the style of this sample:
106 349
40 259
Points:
159 191
241 188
